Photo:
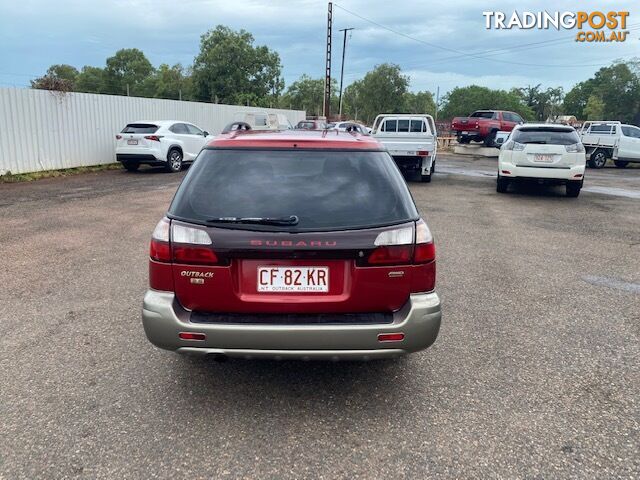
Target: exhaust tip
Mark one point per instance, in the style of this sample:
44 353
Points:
218 357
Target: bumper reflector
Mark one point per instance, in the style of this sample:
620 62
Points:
391 337
192 336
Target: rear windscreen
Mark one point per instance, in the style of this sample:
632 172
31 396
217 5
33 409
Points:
140 128
482 115
326 190
553 136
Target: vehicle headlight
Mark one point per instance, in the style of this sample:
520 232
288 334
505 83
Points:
575 148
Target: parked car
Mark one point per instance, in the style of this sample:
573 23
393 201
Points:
292 244
544 153
311 125
484 125
349 127
264 120
411 141
166 143
604 139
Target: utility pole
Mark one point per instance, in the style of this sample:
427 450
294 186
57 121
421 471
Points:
127 89
437 101
326 110
344 48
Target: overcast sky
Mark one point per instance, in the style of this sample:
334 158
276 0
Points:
37 33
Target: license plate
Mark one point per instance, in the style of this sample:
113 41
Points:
293 279
132 142
542 158
464 133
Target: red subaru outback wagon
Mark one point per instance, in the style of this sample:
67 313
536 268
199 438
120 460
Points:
296 244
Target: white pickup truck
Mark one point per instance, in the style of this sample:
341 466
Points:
604 139
411 140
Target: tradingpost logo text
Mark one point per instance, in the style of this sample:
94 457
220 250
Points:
593 26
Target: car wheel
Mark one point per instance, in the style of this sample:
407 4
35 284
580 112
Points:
174 161
502 184
425 178
621 163
598 159
573 189
131 166
490 139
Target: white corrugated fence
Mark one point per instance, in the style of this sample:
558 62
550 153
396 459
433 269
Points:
43 130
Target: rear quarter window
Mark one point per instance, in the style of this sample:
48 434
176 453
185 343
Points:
327 190
140 128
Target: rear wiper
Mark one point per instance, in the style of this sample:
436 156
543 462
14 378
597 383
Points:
539 142
290 220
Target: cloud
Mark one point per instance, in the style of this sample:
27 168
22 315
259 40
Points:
78 33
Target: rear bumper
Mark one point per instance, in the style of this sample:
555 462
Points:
572 173
163 319
142 158
413 163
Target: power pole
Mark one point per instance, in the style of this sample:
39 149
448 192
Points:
326 110
437 101
344 48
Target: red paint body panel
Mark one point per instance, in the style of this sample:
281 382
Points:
328 139
352 289
482 126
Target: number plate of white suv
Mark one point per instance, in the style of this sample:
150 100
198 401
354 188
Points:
293 279
540 158
132 142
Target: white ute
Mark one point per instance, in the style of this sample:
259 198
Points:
614 140
543 153
411 140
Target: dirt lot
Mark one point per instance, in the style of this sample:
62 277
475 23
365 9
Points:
536 373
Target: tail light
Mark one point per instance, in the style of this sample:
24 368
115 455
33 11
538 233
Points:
423 153
191 246
181 244
118 137
154 138
403 246
160 248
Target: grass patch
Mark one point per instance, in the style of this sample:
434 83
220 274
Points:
65 172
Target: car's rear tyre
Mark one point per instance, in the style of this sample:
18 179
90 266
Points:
573 189
174 161
490 139
502 184
621 163
598 159
131 166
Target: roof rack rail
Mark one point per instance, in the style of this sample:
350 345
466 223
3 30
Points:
236 127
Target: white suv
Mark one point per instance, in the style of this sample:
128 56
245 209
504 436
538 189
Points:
544 153
167 143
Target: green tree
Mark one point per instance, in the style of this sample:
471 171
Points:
461 101
617 86
594 109
307 94
419 102
91 80
168 82
58 77
544 103
128 68
229 69
382 90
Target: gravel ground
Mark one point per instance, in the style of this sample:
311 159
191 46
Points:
536 373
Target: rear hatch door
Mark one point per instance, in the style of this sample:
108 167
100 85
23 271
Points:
133 136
